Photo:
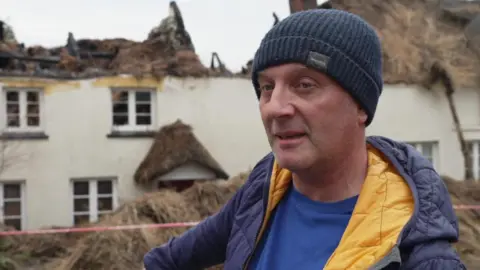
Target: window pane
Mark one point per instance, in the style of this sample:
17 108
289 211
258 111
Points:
81 205
143 108
119 96
81 219
105 204
13 120
120 108
33 109
120 120
143 120
142 96
14 222
427 149
80 188
32 97
104 187
33 121
12 209
13 108
12 96
11 191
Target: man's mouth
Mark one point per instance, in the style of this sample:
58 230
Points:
289 136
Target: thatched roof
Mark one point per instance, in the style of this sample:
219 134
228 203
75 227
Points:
175 145
416 34
167 50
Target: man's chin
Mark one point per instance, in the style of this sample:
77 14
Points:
289 160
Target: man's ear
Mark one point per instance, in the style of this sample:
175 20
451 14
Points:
362 115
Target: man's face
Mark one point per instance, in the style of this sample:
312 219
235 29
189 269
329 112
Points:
308 117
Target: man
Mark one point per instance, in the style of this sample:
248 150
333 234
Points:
328 197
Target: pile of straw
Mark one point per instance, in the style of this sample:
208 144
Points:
469 220
125 249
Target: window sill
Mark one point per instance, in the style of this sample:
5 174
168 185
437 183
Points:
131 134
23 136
469 128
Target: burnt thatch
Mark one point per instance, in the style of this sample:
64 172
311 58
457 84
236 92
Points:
167 51
175 145
416 34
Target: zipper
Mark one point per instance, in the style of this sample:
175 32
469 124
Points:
266 189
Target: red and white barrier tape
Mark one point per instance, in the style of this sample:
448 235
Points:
466 207
148 226
99 229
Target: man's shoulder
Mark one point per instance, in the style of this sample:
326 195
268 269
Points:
253 189
262 169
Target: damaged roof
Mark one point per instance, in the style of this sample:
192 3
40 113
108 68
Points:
175 145
418 36
168 50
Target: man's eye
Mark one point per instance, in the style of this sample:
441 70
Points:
305 85
266 87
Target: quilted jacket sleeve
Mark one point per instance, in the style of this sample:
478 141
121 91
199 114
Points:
198 248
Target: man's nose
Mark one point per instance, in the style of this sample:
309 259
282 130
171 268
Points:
280 103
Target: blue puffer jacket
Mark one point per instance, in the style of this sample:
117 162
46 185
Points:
409 223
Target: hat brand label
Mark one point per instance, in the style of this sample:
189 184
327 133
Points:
318 61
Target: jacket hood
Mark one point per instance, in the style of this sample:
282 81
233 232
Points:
434 217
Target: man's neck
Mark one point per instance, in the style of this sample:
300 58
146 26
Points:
341 179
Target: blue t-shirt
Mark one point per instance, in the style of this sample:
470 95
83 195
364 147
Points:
303 233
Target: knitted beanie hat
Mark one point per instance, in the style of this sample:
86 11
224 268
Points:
334 42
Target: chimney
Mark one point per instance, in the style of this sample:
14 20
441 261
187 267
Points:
299 5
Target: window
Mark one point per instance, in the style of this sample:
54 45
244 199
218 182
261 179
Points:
429 150
93 198
475 155
12 203
23 109
132 109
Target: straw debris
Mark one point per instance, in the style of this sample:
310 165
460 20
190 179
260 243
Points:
125 249
467 193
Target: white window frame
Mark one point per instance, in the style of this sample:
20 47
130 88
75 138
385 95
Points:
131 110
93 197
22 199
475 155
435 152
23 110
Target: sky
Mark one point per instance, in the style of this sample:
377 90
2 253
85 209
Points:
232 28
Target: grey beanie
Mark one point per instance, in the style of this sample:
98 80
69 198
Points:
334 42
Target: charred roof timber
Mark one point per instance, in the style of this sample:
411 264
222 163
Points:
14 57
325 5
2 35
221 66
275 19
